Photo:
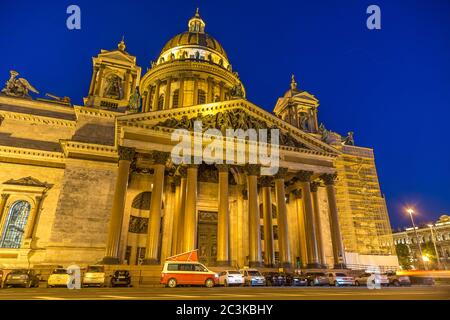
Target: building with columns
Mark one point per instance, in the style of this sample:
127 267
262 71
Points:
97 183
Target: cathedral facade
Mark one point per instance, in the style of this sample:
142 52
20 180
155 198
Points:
97 183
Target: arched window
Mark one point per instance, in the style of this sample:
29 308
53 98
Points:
161 101
175 97
201 97
15 224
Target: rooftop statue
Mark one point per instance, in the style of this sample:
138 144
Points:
135 101
18 87
349 141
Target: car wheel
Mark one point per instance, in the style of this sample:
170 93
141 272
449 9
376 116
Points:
209 283
28 285
357 283
172 283
396 283
335 284
311 283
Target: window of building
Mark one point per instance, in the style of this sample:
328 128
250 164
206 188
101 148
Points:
15 225
161 101
175 98
201 97
275 232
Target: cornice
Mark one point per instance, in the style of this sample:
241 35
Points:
37 119
95 112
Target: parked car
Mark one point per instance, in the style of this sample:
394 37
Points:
94 276
397 280
253 277
338 279
317 279
230 278
176 273
121 278
22 278
58 278
293 279
275 279
381 279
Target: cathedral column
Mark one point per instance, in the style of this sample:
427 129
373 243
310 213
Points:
176 214
210 94
190 213
126 155
144 101
167 94
98 80
253 213
336 237
314 186
126 87
223 223
156 96
181 209
269 254
154 225
195 90
303 247
283 231
181 93
222 92
92 85
311 237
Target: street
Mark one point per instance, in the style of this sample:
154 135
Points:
221 293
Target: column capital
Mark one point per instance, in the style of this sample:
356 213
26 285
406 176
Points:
297 193
222 167
160 157
182 170
328 178
126 153
304 176
314 186
266 181
281 174
252 169
177 180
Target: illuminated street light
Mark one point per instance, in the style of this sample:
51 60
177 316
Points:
435 248
411 211
425 258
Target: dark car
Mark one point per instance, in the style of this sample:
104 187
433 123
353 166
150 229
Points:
275 279
298 280
22 278
121 278
317 279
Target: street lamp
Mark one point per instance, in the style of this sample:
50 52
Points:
411 211
435 248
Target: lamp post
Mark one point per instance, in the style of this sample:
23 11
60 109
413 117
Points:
411 211
435 247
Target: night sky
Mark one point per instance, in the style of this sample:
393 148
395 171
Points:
390 86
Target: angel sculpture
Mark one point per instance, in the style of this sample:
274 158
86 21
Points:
18 87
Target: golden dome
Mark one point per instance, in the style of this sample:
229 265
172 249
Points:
194 44
189 38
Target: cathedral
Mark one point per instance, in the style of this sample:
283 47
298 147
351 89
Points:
97 184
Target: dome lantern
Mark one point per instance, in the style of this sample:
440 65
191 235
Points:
196 24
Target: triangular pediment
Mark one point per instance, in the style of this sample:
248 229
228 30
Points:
116 55
234 114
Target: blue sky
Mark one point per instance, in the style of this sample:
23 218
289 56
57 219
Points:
390 86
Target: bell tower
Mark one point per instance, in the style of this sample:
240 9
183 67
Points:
115 77
298 108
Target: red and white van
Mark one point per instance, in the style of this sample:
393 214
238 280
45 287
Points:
184 269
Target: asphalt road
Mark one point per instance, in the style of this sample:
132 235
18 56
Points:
220 293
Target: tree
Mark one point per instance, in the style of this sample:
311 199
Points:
404 256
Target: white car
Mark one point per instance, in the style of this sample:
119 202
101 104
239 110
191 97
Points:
338 279
253 277
231 278
380 279
58 278
94 276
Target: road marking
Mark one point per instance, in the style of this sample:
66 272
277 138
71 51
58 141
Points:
118 297
48 298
